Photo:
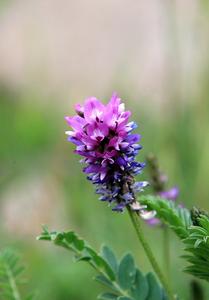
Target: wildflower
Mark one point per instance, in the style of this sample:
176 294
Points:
103 137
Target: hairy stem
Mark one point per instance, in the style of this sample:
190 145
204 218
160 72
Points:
136 223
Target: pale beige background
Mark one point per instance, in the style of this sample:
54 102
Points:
79 48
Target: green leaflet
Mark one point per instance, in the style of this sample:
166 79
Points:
155 291
123 279
178 218
140 288
110 258
108 296
105 281
126 272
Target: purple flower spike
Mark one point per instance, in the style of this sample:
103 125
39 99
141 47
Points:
103 136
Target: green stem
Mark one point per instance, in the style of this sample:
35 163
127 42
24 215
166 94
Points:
136 222
166 251
12 283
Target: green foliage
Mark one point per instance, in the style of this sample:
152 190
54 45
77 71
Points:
124 280
197 247
126 272
110 257
10 277
178 218
195 238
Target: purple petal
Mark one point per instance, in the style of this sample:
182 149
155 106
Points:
97 131
133 138
93 110
79 109
119 207
74 141
76 122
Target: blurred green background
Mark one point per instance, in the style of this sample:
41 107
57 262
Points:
54 54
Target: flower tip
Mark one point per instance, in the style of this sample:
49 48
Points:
79 109
69 132
114 95
67 119
115 99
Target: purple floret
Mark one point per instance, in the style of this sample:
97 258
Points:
171 194
103 136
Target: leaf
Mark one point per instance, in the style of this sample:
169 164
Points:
71 241
103 280
196 238
78 243
126 272
155 291
176 217
108 296
125 281
140 288
164 296
100 263
110 258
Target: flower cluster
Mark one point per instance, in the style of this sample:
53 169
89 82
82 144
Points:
103 137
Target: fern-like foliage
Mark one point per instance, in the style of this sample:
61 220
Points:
195 238
176 217
123 279
10 276
197 248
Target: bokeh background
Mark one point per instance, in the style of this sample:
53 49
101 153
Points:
56 53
